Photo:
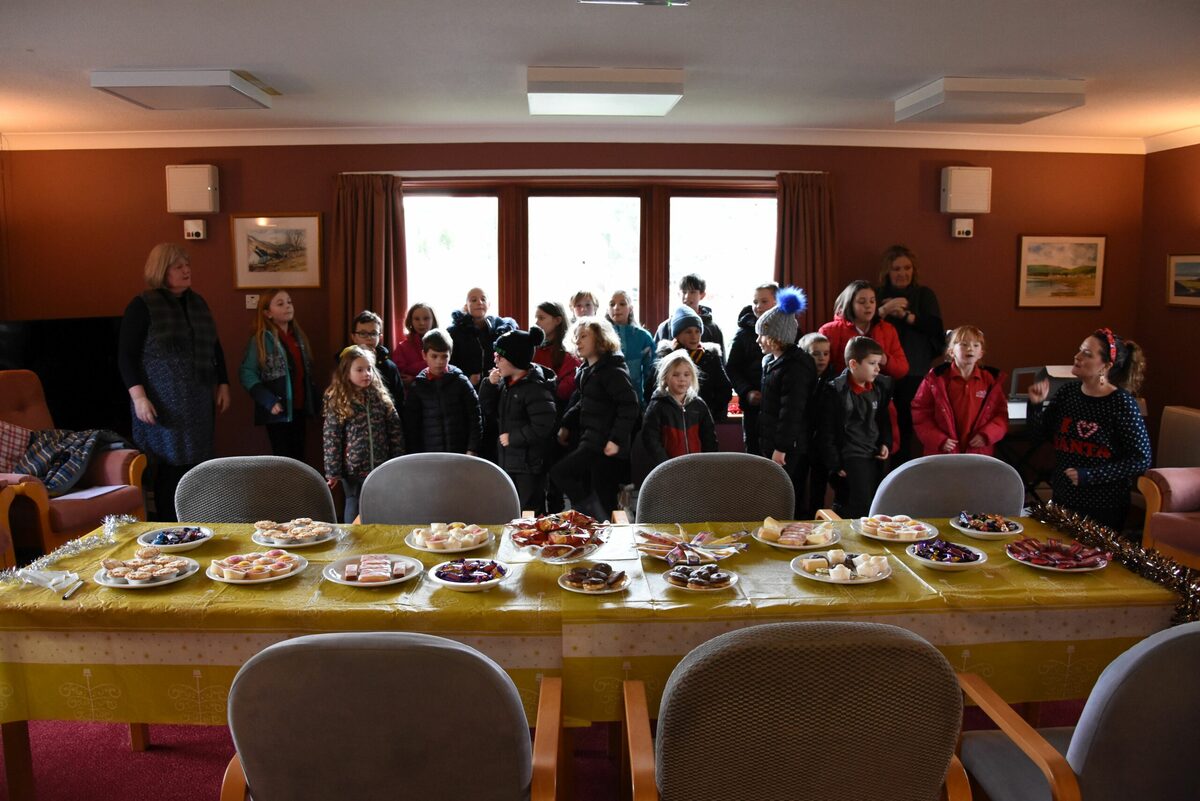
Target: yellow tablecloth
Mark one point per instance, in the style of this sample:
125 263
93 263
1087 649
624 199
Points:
168 654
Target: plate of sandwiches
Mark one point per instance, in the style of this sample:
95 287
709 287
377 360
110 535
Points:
839 567
448 538
373 570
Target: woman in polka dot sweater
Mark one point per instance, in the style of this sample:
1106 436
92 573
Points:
1099 437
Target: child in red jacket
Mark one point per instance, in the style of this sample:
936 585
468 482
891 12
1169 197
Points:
961 406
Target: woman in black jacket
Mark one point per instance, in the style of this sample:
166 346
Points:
600 419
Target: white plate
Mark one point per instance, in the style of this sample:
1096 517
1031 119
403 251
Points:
856 527
103 580
333 571
837 537
986 535
259 539
949 567
620 587
1053 569
733 580
300 565
799 571
146 540
454 585
411 543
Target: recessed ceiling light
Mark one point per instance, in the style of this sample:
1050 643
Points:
184 89
996 101
596 91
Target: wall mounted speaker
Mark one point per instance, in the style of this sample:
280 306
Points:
192 188
966 190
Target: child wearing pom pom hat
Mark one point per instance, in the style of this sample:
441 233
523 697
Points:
687 329
788 377
518 398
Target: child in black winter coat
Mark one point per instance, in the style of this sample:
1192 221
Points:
441 409
677 420
600 418
686 329
788 377
817 346
518 397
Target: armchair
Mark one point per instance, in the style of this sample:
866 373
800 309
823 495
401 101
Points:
27 511
1173 513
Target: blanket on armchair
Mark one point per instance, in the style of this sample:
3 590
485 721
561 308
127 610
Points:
60 458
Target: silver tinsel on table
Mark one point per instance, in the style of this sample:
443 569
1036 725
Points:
106 536
1148 564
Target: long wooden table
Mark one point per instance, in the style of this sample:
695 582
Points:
168 654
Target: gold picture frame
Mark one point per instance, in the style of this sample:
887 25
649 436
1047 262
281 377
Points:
276 250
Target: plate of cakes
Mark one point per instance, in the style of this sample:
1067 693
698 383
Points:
448 538
373 570
149 567
176 538
797 536
256 568
893 528
985 526
470 575
700 578
942 555
596 579
839 567
298 533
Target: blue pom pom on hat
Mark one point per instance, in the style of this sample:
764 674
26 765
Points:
779 322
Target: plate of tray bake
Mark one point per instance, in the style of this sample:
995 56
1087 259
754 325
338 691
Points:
336 571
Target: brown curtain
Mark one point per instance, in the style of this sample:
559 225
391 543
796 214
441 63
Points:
804 245
368 254
514 255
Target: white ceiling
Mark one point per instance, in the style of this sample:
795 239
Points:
757 70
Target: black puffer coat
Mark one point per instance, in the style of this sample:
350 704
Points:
525 411
442 416
787 388
744 365
604 406
475 347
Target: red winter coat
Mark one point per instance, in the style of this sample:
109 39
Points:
933 415
840 331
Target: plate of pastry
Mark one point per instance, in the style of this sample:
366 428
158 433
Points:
797 536
840 567
301 532
448 538
700 578
893 528
373 570
595 579
148 568
256 567
176 538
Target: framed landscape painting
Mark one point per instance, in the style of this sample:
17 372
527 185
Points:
1061 271
1183 281
277 251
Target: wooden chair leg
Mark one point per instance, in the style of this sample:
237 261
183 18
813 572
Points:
139 736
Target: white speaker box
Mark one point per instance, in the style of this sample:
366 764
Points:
966 190
192 188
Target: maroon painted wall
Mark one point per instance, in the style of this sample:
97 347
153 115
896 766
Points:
1171 227
78 224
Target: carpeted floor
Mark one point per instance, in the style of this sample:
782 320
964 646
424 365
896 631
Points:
93 762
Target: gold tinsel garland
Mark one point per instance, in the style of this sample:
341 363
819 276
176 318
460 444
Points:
1149 564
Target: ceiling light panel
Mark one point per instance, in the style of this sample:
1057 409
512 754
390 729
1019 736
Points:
166 90
992 101
596 91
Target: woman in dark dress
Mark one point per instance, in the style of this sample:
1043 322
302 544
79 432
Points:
913 310
173 366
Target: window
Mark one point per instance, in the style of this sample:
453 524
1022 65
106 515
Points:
578 243
730 243
451 247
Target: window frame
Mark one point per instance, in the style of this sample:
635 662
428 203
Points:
654 292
